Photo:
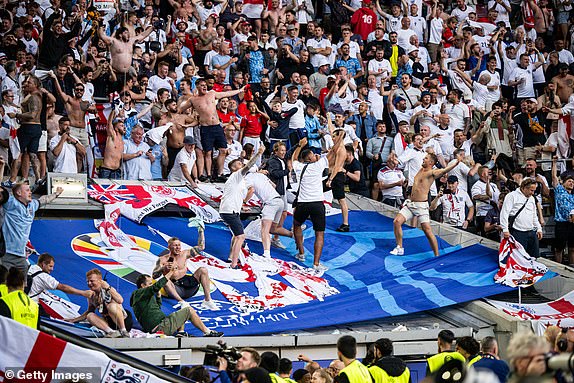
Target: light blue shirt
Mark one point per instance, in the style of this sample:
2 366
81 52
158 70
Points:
156 165
222 60
18 220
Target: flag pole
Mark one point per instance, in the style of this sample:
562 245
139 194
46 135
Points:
519 296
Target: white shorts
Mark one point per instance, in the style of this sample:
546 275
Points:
252 11
81 134
273 210
43 143
412 209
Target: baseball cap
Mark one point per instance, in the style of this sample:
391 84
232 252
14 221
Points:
425 93
398 99
532 100
367 2
2 55
323 61
290 27
189 140
433 76
412 49
452 179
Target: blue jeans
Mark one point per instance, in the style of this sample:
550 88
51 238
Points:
528 240
110 174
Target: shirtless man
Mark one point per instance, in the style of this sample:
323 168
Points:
417 205
76 108
176 133
182 285
111 167
121 48
30 129
210 127
274 16
564 83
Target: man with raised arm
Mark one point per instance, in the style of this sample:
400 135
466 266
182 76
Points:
122 47
211 130
417 205
111 167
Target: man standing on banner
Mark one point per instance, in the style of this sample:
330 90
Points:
19 213
310 195
272 210
76 109
519 218
234 192
417 205
564 205
181 285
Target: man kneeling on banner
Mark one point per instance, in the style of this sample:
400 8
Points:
181 285
146 303
115 321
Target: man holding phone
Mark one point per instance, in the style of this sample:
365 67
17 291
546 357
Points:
454 202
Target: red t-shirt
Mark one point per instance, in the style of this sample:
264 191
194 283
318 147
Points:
226 117
252 125
364 22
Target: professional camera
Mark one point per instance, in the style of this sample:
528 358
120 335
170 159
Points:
563 361
212 352
159 24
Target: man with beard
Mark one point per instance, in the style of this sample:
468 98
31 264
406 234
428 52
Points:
121 47
110 167
176 133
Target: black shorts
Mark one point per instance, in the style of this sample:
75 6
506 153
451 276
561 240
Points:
128 322
212 137
29 137
186 286
171 154
314 210
338 186
233 222
564 235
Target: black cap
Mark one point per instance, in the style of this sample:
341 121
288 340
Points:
189 140
433 76
563 66
452 179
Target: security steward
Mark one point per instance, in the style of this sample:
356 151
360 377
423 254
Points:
16 304
3 287
387 367
354 371
445 340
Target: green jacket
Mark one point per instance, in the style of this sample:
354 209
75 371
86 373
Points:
146 305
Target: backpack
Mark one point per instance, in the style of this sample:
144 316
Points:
30 280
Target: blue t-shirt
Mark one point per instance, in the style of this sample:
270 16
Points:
18 220
221 60
564 204
156 165
255 65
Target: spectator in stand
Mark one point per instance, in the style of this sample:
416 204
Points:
519 217
490 359
390 182
492 228
527 356
484 193
564 205
137 157
378 150
455 203
66 148
184 169
355 174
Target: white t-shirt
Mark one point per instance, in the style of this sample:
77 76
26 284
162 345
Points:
433 110
183 157
354 49
235 150
403 38
418 24
41 283
262 185
380 69
457 113
460 14
479 94
493 95
393 23
389 176
526 88
298 119
435 31
155 83
321 44
461 172
234 191
445 140
503 14
138 168
65 162
479 188
454 207
311 186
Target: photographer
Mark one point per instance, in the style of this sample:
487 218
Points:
250 358
146 304
526 356
454 202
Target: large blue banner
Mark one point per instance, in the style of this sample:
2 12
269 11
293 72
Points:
371 284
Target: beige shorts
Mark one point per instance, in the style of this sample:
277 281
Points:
415 209
273 210
43 143
81 134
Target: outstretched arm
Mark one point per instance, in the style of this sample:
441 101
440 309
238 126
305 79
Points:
253 159
439 172
230 93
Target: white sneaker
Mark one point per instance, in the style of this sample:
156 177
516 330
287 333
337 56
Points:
300 257
277 243
320 269
209 305
303 227
113 334
398 251
196 222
